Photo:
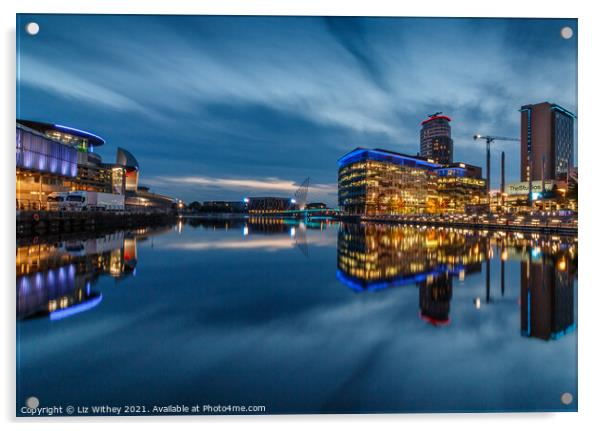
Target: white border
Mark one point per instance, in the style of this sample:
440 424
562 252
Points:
590 144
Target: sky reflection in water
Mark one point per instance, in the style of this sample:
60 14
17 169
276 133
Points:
301 318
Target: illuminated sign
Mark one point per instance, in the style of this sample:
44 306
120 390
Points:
522 188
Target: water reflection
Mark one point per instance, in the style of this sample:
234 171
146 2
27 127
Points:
56 279
371 257
283 234
368 311
547 295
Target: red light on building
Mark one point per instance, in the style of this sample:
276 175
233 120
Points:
444 117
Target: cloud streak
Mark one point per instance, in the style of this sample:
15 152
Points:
269 184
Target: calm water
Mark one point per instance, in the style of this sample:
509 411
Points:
300 318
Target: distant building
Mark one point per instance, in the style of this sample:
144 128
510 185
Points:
267 204
547 142
316 206
223 206
436 142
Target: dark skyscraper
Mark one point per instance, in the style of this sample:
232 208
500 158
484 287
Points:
435 139
546 141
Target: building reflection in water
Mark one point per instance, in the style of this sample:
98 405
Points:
435 299
547 295
372 257
56 279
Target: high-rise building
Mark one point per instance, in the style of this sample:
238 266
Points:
547 142
436 142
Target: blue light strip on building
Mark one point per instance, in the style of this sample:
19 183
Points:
527 333
76 309
365 154
444 172
564 111
399 281
83 132
563 332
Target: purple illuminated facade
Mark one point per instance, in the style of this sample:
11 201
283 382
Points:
38 153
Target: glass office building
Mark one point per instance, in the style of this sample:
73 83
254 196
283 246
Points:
377 182
458 186
380 182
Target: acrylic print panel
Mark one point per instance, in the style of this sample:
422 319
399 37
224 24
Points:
289 215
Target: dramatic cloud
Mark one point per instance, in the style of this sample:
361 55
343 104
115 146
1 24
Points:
196 98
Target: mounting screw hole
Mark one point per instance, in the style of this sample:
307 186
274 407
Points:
32 28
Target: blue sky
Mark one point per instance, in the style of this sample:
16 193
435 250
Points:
227 107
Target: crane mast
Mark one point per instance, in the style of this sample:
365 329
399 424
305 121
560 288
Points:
489 140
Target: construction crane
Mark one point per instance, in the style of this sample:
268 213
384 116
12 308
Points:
489 139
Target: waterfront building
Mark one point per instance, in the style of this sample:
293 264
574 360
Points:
549 195
375 182
223 207
547 142
269 204
144 200
460 185
44 165
381 182
436 142
316 206
131 169
56 158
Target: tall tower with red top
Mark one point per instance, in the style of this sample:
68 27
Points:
436 142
